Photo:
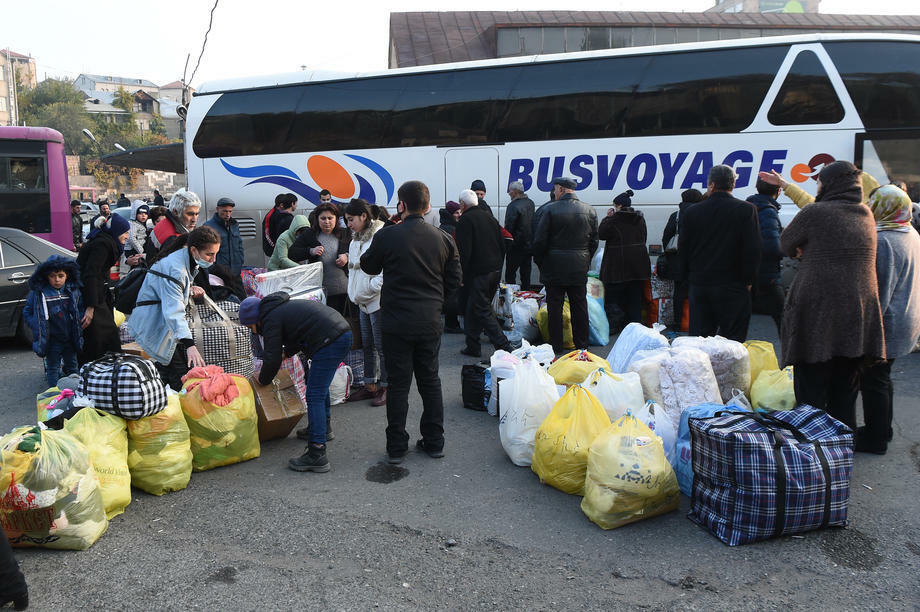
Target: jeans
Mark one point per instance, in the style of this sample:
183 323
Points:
578 307
517 259
878 403
57 351
831 386
720 309
323 366
375 369
479 291
405 356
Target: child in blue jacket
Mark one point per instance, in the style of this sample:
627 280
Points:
54 311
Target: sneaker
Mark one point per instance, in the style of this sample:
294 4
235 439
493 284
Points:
434 453
470 352
304 432
313 460
380 399
396 458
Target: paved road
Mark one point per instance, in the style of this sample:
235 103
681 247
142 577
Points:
257 535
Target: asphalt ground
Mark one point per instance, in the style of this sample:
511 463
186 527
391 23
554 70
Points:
469 531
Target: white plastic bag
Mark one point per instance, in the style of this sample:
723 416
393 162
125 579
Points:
503 365
686 380
618 393
524 314
340 387
731 362
635 337
543 353
645 364
596 262
526 401
652 415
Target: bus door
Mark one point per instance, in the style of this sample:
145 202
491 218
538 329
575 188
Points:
463 166
891 157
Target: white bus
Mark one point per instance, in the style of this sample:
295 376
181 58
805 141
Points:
650 119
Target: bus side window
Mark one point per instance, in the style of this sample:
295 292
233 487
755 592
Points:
807 95
4 174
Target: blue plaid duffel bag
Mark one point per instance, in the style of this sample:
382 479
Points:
762 475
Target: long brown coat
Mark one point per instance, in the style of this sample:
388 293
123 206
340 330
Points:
832 309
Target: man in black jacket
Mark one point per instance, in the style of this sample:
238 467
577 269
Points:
563 245
519 223
482 249
479 187
719 249
420 267
76 222
291 326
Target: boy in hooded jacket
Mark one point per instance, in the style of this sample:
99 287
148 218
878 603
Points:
53 311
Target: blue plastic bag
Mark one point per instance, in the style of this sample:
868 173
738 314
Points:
683 465
598 326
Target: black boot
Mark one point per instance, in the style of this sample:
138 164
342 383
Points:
12 583
313 460
304 432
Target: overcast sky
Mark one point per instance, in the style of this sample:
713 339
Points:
151 40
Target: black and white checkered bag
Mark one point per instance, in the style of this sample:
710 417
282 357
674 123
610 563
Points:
219 337
123 385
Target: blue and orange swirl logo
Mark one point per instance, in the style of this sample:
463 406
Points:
326 173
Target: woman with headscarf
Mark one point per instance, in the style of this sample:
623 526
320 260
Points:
832 319
897 265
103 248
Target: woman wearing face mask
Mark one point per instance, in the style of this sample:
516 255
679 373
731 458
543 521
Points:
326 242
102 250
158 322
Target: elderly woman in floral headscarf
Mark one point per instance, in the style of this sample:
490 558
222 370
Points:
897 264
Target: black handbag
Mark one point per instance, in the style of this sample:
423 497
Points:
473 387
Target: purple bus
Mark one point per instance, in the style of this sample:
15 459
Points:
34 193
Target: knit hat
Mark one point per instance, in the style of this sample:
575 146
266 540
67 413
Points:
478 185
249 311
452 207
624 199
143 208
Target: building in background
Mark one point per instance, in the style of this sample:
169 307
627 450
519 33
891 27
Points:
91 83
765 6
12 64
423 38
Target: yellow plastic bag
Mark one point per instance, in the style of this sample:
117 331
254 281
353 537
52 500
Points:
561 446
221 435
628 477
106 437
159 454
119 317
763 357
49 493
44 401
575 367
543 325
774 390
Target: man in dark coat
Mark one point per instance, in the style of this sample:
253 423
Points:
719 249
668 265
76 222
157 198
288 327
769 297
231 242
482 249
519 223
479 186
626 265
563 245
420 267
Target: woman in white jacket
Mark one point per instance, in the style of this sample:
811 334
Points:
364 291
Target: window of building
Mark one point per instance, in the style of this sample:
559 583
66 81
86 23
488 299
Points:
665 36
509 42
531 41
576 39
553 40
3 108
620 37
807 95
598 38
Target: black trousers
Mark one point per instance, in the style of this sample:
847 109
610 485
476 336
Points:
625 297
12 582
578 305
681 295
878 403
478 292
100 337
831 386
769 299
720 309
405 356
177 367
518 259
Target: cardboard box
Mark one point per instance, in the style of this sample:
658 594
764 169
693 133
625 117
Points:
278 406
133 348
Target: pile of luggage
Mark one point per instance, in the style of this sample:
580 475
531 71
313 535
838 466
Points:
656 418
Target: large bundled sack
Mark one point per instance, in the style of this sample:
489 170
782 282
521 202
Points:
763 357
543 325
774 390
220 410
124 385
561 445
527 400
764 475
635 337
49 493
574 367
106 437
159 451
219 336
646 365
683 467
628 477
730 361
617 393
686 379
